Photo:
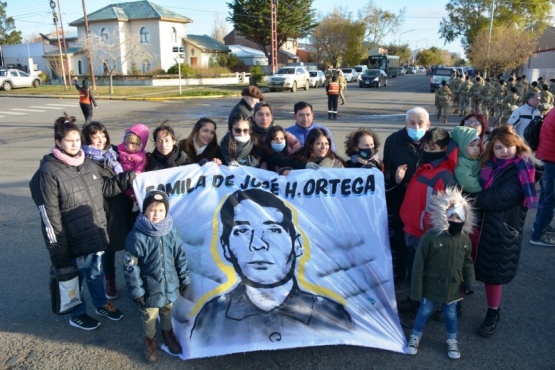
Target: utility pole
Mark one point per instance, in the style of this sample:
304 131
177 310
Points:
88 48
55 19
273 8
64 44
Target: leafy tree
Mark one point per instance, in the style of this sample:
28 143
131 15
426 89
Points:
8 34
428 57
252 20
502 54
378 23
467 18
403 51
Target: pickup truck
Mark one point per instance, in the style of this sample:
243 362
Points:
439 74
12 78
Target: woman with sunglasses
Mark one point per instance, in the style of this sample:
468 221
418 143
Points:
238 147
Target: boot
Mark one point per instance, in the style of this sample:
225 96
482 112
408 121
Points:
335 116
111 290
151 352
329 115
171 341
489 326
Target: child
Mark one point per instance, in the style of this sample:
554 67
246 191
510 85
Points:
132 154
443 269
166 153
467 172
156 270
362 149
438 159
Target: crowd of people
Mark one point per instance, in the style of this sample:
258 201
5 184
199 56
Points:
456 203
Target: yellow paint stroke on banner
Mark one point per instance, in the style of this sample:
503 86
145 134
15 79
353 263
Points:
231 275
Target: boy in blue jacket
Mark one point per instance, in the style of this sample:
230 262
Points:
156 270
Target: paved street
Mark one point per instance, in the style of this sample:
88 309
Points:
31 337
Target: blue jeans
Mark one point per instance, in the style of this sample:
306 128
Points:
546 201
90 270
427 308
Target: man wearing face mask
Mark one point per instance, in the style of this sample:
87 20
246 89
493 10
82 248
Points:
401 149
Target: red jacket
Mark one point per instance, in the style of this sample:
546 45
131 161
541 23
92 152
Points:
428 179
546 148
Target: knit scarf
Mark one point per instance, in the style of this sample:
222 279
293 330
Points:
147 227
526 175
67 159
109 157
242 156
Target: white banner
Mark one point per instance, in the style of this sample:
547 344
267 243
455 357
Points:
281 261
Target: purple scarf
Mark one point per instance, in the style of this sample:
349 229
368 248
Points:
526 175
107 157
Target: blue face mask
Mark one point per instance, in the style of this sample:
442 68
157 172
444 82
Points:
415 134
278 147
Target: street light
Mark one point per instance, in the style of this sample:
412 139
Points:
416 46
179 58
55 19
402 33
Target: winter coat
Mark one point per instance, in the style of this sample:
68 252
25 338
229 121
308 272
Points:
71 203
501 228
443 266
134 161
176 158
546 147
155 267
467 171
428 179
521 117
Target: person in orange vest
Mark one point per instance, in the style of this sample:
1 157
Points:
332 91
86 99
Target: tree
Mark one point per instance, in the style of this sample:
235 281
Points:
114 52
467 18
8 34
251 18
220 29
403 51
378 23
501 54
428 57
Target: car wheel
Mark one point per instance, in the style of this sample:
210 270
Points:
36 83
385 83
306 85
379 84
294 87
7 86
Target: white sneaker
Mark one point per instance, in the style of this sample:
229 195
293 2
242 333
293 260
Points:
453 349
412 347
544 241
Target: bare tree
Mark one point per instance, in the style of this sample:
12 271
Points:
113 52
379 23
509 48
220 29
56 65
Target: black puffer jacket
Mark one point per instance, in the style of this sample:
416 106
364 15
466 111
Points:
503 215
71 204
176 158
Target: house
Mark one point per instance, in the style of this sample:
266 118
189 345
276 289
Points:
542 63
287 53
203 49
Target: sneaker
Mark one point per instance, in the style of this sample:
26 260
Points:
414 342
453 349
110 312
84 322
550 229
544 241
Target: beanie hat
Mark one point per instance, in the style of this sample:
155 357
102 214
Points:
458 209
156 196
131 138
253 92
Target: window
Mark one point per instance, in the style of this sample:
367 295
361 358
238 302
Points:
174 35
104 34
145 36
147 66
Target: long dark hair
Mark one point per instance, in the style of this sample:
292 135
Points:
92 128
188 146
232 143
306 155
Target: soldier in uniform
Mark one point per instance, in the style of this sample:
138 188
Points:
455 83
499 96
552 86
464 90
342 85
534 88
510 103
525 82
546 100
476 94
487 98
443 96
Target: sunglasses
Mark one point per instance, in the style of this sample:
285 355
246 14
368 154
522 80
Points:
238 130
471 123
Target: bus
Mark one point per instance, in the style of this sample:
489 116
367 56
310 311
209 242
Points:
389 63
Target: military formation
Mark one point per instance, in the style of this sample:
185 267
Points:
495 98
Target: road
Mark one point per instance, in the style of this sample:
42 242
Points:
34 338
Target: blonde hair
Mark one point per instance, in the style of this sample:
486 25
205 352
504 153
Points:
507 136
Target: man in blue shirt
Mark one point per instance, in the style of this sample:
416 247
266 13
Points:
304 115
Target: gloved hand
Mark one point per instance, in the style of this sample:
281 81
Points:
312 166
182 289
140 301
66 273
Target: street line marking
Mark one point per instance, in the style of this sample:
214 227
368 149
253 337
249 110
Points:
14 113
28 110
63 105
42 107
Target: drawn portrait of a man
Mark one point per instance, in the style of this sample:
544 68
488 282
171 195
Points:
260 241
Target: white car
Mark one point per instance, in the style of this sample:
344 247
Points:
348 73
290 78
421 70
12 78
317 78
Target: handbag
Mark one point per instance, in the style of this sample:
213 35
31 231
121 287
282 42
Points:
65 295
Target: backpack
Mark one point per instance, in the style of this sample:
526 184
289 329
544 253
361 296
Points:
532 133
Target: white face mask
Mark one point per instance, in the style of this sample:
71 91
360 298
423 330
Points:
242 139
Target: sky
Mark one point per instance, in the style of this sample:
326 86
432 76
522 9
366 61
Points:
419 30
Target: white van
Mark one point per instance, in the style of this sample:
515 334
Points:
358 70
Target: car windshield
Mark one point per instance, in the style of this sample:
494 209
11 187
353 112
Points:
286 71
358 69
347 70
443 72
371 73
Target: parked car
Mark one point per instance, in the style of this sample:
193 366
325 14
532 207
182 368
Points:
359 69
317 78
373 77
290 78
13 78
421 70
411 71
348 73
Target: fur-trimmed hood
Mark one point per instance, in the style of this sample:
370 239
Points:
439 204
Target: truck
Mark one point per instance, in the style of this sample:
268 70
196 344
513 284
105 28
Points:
388 63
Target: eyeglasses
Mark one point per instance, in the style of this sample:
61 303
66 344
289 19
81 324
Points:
238 130
471 123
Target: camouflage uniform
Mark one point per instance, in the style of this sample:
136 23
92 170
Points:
487 98
342 86
464 90
455 85
499 96
552 86
443 96
546 101
510 103
476 95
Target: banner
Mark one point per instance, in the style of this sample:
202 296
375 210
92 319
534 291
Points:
280 261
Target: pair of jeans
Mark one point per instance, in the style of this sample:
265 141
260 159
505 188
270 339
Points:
427 308
546 202
149 316
90 271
